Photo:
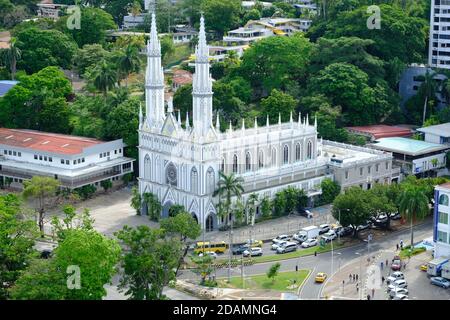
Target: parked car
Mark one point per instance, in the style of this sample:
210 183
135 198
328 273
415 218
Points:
253 252
395 216
320 277
276 245
305 212
209 253
397 284
440 282
330 235
400 296
309 243
398 291
363 226
324 228
347 231
282 237
287 247
397 275
381 219
396 264
337 229
299 237
254 243
240 249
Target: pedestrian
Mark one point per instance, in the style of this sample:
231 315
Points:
350 277
315 253
387 263
373 292
381 265
382 279
356 277
343 282
357 288
397 246
368 297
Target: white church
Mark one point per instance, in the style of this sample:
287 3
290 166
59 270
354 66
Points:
181 164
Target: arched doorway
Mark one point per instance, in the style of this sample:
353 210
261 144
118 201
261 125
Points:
209 223
165 210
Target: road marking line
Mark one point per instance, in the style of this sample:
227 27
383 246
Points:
304 282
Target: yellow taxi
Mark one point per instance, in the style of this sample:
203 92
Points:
320 277
254 243
424 267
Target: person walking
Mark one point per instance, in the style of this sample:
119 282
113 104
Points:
387 263
356 277
373 292
381 265
357 287
350 277
382 279
397 246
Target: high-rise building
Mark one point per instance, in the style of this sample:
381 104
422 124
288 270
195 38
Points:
439 48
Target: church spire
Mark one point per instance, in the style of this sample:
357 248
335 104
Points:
154 79
218 122
256 123
315 121
299 119
140 115
202 85
187 119
179 118
170 105
267 120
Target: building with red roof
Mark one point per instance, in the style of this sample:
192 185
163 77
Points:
180 78
379 131
74 161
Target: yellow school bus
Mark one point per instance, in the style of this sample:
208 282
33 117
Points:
217 247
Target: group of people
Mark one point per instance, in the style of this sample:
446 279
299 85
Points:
400 246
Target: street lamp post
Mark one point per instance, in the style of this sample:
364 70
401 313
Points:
360 273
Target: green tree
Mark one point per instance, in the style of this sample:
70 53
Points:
176 209
330 190
148 264
279 204
103 76
17 234
94 24
352 208
278 103
229 186
266 207
221 15
291 195
167 47
253 14
203 266
12 55
129 61
184 227
43 191
70 221
43 48
106 184
251 207
89 56
136 200
274 62
413 206
273 271
182 99
154 207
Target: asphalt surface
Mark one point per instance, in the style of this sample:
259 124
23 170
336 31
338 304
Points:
323 262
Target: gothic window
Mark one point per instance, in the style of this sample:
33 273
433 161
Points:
274 157
261 160
443 200
285 154
309 150
147 168
210 181
222 166
298 151
248 162
171 174
194 180
235 164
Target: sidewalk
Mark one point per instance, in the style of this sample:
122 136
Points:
271 228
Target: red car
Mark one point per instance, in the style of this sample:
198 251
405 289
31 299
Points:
396 264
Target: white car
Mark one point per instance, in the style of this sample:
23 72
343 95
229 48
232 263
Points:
212 254
398 291
330 235
253 252
400 296
324 228
300 237
309 243
282 237
276 245
397 284
397 275
288 247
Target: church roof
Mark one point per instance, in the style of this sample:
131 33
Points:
44 141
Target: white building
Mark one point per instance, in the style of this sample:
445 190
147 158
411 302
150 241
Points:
439 46
130 21
441 230
437 134
74 161
180 164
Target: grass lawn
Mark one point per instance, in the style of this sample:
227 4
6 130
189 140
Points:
405 253
181 52
282 282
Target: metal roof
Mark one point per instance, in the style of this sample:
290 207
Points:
442 130
408 146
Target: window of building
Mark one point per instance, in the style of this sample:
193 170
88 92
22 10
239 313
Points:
101 155
298 152
50 159
442 236
222 165
309 150
5 152
14 153
120 150
115 151
107 154
210 180
40 157
9 152
82 160
235 164
45 158
274 157
368 169
387 165
248 163
35 157
194 180
361 170
285 154
62 161
261 159
20 154
377 167
443 217
74 161
67 162
443 200
346 174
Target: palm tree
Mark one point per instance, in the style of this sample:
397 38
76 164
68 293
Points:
129 61
103 77
429 89
12 55
413 205
251 207
229 186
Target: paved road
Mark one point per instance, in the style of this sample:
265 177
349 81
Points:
322 263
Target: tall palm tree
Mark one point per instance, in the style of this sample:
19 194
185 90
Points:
413 205
129 61
229 186
103 77
12 55
429 88
251 207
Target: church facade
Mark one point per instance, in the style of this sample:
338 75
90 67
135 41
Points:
181 164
